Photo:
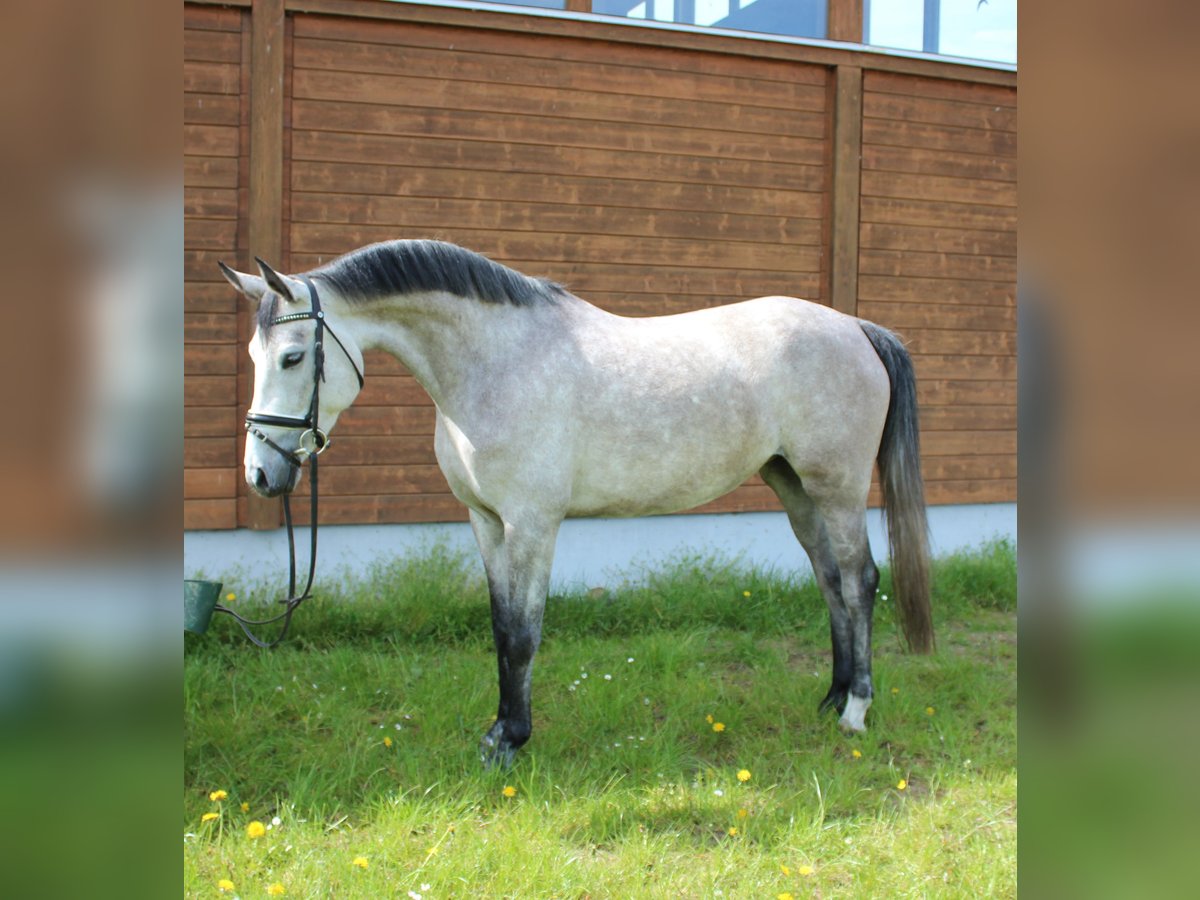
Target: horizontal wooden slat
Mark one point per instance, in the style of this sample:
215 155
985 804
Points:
380 450
939 392
404 181
975 467
210 203
209 234
974 491
211 109
215 296
939 315
415 120
922 135
968 418
936 187
209 452
965 368
939 88
937 265
968 443
210 171
203 515
936 290
518 100
939 162
211 46
508 157
583 52
599 77
335 239
209 390
212 77
211 18
210 421
210 359
209 483
936 213
986 116
219 328
924 239
411 214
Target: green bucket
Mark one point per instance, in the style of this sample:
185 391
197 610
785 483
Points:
199 600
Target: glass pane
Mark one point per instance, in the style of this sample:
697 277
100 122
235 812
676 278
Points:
799 18
895 23
980 30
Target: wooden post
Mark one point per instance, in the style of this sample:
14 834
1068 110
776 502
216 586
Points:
265 212
847 170
845 21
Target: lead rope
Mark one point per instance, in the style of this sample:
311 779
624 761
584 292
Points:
293 600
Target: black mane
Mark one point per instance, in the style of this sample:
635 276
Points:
408 267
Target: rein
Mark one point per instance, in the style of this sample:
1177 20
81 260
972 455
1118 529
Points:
312 443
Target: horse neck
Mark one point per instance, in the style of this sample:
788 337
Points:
446 340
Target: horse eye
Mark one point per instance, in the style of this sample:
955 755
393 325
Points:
293 359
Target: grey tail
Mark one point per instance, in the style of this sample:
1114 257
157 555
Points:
899 462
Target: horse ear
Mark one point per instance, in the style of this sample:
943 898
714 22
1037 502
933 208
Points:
250 285
291 290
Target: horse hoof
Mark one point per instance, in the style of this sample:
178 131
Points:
855 714
497 748
835 699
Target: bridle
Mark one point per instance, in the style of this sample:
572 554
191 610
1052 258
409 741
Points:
312 443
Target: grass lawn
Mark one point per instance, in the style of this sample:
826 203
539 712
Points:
355 745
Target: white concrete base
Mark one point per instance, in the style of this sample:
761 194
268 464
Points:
591 552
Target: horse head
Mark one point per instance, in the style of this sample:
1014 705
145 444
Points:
300 388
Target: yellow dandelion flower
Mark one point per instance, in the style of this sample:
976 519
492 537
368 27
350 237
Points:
216 796
431 851
742 813
509 791
224 885
276 889
718 727
733 831
208 817
901 784
744 775
745 593
856 753
785 870
784 896
895 690
360 861
245 807
929 710
708 719
231 596
804 870
387 742
256 829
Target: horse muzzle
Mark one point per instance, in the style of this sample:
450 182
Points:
272 480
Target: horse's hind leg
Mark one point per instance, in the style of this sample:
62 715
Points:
809 528
517 559
845 517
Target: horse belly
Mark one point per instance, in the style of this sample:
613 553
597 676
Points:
640 478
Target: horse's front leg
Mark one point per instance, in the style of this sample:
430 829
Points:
517 558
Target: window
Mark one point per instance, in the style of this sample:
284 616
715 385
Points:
798 18
978 29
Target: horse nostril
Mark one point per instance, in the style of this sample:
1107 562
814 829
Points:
260 478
